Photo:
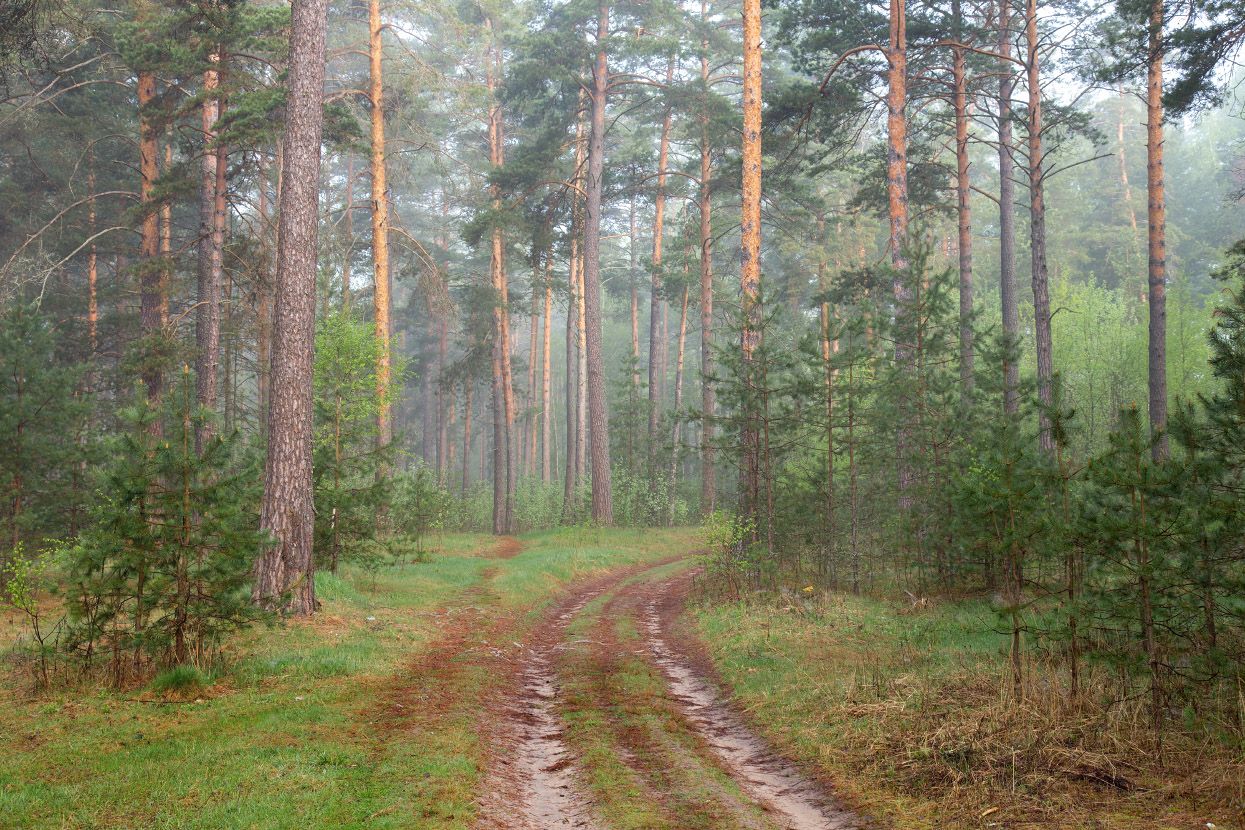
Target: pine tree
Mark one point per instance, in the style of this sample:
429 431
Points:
42 424
161 575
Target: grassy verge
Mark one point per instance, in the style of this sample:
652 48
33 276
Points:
908 714
299 729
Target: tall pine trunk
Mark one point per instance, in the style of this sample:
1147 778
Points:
897 212
708 480
1037 232
964 221
546 386
655 339
211 250
503 387
380 228
1156 208
1008 296
750 258
574 435
285 574
599 436
676 421
151 278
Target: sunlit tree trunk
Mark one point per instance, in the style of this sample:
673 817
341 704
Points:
1156 208
166 241
599 437
151 279
675 428
380 227
285 574
897 212
708 481
1008 297
635 299
750 254
503 387
575 418
211 249
1037 231
963 211
655 335
264 289
546 392
533 360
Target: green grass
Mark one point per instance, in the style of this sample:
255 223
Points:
287 736
908 713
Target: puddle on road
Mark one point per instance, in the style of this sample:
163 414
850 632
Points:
793 801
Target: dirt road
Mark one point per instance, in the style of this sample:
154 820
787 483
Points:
612 719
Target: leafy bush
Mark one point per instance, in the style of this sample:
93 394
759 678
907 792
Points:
22 580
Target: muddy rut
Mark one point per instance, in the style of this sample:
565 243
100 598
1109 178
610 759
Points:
535 781
792 800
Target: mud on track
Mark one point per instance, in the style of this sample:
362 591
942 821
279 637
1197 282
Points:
532 781
792 800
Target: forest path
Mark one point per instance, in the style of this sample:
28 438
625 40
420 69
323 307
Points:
612 720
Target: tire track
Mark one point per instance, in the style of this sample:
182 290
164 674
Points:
793 800
532 784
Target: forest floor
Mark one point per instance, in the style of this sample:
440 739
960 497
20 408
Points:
548 682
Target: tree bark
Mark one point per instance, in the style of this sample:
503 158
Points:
655 339
211 251
963 215
1037 233
1008 291
897 211
1156 208
546 391
151 280
708 481
750 254
380 228
285 573
599 436
574 433
529 449
678 403
635 300
503 386
263 337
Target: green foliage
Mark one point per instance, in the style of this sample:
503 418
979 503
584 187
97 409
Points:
24 582
161 575
43 431
350 492
419 506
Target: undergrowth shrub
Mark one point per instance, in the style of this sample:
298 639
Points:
161 575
